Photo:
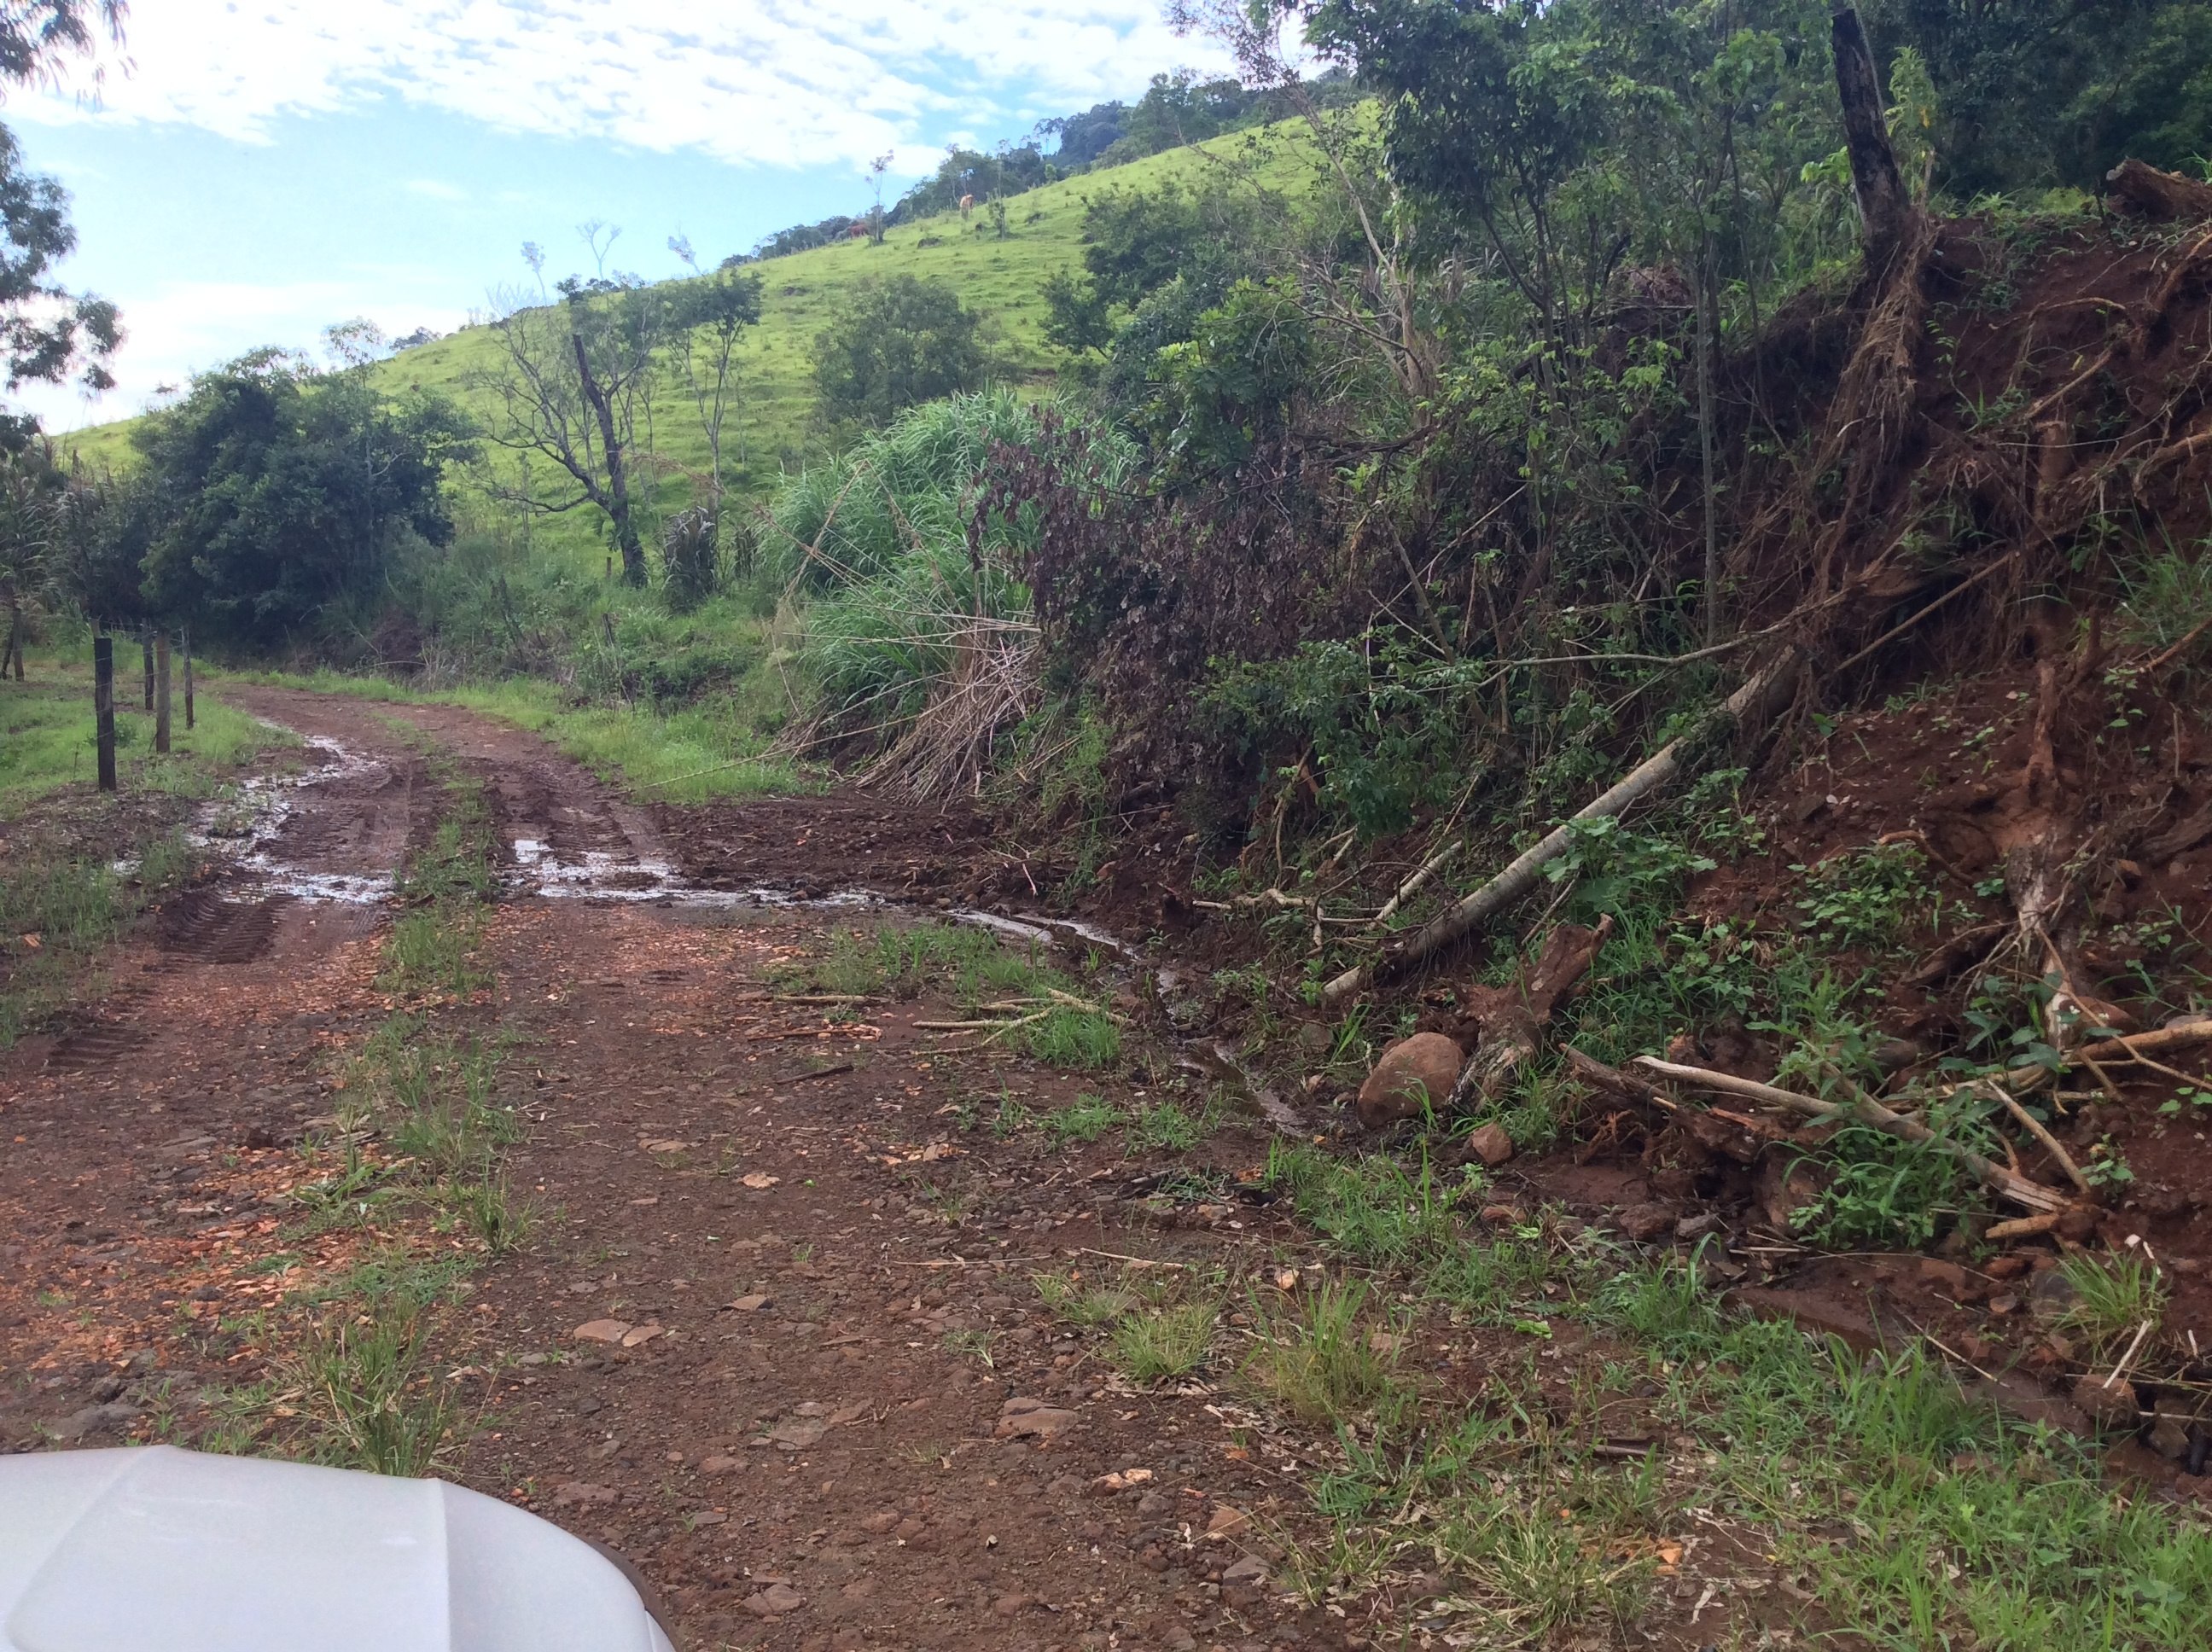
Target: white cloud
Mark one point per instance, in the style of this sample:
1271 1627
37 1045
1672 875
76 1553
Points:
436 189
780 82
186 327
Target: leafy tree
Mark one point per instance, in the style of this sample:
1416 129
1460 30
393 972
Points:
2033 92
896 344
1491 109
1153 260
1229 386
35 35
1084 138
46 332
705 318
1180 108
269 493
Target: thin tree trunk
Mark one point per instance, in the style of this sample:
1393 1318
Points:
1884 206
626 540
1706 344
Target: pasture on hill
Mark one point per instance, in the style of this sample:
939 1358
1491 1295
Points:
774 427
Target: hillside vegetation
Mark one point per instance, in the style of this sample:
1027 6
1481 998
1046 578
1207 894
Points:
1665 559
774 427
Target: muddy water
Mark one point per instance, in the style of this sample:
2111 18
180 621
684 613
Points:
263 835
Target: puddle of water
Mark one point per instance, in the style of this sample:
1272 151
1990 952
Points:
245 829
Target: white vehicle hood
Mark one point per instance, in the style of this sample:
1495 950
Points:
152 1549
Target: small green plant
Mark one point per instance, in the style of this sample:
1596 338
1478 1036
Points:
1870 899
359 1383
974 1344
1164 1127
1164 1342
1318 1358
1086 1120
1615 870
1370 1209
1082 1302
2194 1100
1011 1117
1076 1041
2111 1298
2107 1167
947 1205
429 951
487 1209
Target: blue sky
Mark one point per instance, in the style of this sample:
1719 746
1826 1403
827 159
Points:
255 170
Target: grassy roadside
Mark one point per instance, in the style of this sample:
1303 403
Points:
414 1173
77 865
1534 1432
1004 990
688 757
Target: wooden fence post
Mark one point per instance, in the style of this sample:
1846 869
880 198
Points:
146 642
161 692
13 654
103 707
188 677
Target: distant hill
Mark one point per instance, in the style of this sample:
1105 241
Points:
1002 278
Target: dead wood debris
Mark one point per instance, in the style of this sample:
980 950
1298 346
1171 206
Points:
1864 1108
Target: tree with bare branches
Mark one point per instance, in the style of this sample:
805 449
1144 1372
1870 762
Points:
571 382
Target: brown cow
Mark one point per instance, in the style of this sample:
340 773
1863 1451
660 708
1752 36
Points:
967 205
857 232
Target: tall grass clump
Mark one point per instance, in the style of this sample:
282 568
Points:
920 644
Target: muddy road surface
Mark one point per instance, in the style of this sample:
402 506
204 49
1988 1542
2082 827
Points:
773 1331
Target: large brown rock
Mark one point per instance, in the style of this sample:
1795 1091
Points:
1413 1073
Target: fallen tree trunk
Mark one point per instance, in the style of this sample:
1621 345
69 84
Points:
2158 194
1884 205
1750 707
2032 1194
2163 1038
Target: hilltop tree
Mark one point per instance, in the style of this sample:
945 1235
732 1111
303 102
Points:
706 318
267 495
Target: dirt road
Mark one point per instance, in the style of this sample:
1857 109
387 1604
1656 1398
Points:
833 1413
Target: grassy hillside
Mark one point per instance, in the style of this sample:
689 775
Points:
772 431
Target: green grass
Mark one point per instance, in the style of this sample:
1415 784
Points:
1158 1343
1323 1356
689 756
774 426
1904 1512
2113 1296
360 1386
62 898
359 1389
1087 1303
1043 1010
46 732
1082 1121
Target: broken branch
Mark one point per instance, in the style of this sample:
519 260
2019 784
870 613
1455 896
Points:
1749 705
2018 1188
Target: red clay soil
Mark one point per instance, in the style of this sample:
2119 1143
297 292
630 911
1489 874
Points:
834 1413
